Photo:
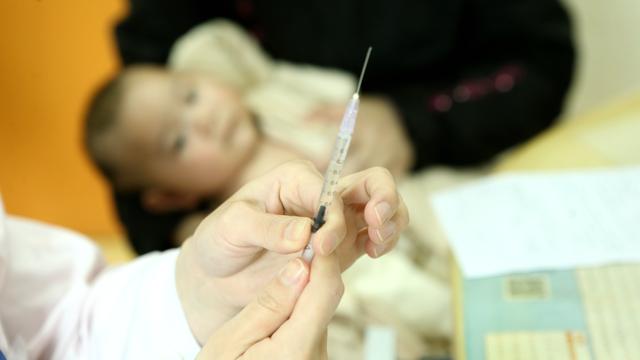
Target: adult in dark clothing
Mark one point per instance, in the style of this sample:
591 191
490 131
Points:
468 78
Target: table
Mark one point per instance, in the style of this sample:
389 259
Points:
607 137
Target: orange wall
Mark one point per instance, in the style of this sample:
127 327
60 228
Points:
52 54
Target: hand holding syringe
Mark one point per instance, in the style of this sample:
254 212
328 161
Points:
332 174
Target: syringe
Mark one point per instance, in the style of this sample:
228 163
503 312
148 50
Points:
332 174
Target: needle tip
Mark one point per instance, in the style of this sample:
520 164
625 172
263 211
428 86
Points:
364 67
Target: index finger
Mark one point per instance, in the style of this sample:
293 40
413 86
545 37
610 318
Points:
292 188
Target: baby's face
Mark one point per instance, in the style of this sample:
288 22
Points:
184 132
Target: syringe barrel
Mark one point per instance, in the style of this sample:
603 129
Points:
339 154
350 115
332 174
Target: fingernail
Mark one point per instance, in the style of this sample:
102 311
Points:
291 274
378 250
329 244
383 212
386 231
295 230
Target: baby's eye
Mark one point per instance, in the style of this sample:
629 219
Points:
191 96
179 143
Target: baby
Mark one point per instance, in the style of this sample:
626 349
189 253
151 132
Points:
174 136
220 114
177 138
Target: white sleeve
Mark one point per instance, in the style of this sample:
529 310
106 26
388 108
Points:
134 312
59 301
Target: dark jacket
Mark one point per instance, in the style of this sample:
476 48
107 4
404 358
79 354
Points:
469 77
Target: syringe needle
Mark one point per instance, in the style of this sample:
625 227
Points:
364 67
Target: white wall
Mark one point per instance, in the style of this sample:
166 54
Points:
608 40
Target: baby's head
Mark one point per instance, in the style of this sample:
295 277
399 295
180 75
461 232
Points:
177 137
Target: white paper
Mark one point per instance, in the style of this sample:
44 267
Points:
534 221
380 343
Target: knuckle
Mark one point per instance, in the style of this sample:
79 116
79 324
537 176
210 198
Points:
299 164
405 216
297 170
306 163
234 212
381 171
276 231
309 167
394 242
267 301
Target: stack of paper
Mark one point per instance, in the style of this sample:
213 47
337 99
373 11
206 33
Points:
535 221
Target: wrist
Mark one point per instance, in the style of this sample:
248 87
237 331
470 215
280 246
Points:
202 303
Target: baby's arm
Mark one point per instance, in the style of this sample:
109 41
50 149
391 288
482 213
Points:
273 153
270 154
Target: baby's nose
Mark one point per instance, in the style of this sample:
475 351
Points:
204 125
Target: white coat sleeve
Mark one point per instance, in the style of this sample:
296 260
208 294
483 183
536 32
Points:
59 301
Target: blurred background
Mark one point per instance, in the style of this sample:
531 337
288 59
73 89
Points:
54 53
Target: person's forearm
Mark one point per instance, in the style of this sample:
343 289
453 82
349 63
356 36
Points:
211 313
78 309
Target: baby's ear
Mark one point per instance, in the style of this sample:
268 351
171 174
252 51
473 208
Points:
162 201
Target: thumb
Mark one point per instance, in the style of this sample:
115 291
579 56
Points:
262 317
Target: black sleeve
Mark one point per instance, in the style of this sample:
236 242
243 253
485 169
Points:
146 231
513 63
147 33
